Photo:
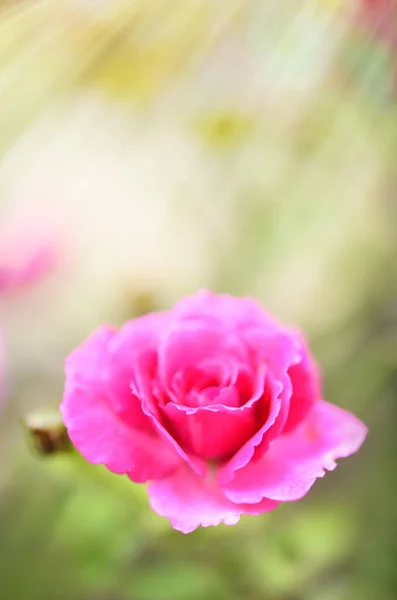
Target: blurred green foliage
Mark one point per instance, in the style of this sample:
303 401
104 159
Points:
300 162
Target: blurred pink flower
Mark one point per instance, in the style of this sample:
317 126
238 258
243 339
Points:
380 19
2 367
214 403
29 250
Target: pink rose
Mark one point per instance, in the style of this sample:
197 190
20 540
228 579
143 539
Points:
214 403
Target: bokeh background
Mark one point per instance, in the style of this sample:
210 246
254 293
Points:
149 148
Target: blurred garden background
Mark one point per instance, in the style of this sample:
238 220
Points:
149 148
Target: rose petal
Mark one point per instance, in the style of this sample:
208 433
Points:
134 350
196 463
305 382
133 357
189 501
294 461
213 433
236 313
137 342
278 352
94 426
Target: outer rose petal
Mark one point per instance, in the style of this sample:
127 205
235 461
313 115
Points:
294 461
235 313
189 501
306 389
135 347
278 352
94 426
132 361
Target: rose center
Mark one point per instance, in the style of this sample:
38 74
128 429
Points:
205 384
